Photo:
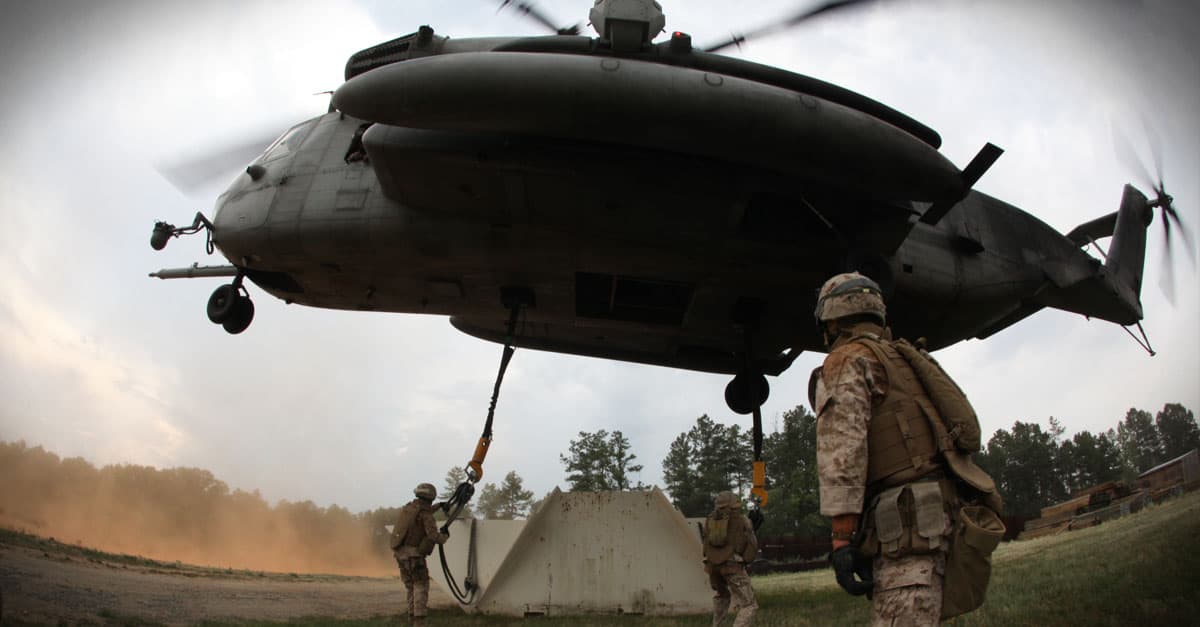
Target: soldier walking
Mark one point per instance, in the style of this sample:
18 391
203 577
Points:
891 478
729 546
413 538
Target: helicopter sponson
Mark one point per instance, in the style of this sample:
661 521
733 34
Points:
637 103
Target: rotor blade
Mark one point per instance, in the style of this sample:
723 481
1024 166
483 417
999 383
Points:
1155 150
782 25
528 8
1167 282
1128 157
192 174
1170 214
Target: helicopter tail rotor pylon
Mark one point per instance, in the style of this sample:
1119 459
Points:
1164 202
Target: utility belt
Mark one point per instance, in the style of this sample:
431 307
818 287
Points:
910 519
929 516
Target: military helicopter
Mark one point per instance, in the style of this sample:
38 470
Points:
640 200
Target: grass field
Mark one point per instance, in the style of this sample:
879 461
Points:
1143 569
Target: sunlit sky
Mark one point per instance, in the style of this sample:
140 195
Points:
99 361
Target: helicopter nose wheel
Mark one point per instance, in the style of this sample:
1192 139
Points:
230 306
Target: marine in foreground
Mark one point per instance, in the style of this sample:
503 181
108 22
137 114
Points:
914 520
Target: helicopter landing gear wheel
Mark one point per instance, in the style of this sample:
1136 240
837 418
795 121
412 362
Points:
243 315
747 392
222 303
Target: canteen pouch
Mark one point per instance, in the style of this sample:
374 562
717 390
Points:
977 532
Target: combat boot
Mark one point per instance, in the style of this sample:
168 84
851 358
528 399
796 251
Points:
720 609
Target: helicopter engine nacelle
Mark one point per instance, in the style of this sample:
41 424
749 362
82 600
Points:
628 24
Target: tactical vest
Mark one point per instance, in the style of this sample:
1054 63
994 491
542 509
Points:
408 536
901 444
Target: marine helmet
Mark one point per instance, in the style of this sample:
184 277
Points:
726 500
849 294
425 491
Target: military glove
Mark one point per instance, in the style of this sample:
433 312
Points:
756 518
846 564
445 530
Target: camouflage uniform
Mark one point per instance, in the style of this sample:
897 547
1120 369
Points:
908 589
413 538
726 564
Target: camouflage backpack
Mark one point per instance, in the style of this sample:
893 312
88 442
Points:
716 528
956 411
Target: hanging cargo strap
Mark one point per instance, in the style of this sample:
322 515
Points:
465 594
454 505
758 493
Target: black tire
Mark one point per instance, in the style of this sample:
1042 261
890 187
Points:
243 315
746 392
222 303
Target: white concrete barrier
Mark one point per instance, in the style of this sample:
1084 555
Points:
583 553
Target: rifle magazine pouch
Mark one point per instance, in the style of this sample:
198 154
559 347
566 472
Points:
977 531
930 516
889 524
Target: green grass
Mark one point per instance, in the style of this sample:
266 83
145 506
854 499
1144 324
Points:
1142 569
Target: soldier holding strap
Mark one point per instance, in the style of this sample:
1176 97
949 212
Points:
413 539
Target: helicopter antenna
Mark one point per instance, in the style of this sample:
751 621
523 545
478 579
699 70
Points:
527 8
736 39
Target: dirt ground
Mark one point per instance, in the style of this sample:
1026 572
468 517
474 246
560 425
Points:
43 586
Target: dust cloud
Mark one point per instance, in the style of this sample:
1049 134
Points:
186 515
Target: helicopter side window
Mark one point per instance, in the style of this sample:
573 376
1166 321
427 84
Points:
357 152
288 142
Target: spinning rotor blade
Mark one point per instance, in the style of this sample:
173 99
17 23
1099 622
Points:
527 8
1128 157
1162 200
782 25
193 173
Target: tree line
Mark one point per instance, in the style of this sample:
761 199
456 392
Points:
187 514
1036 467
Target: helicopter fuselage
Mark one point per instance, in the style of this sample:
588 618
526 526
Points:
647 202
633 253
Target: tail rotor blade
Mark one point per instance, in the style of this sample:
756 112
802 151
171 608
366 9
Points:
1128 157
1155 151
1171 215
1167 282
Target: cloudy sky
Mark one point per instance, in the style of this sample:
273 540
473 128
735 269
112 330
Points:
99 361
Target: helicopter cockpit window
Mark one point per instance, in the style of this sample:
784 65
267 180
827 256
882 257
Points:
288 142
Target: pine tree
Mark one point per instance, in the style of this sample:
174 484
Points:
600 462
1177 430
1139 441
